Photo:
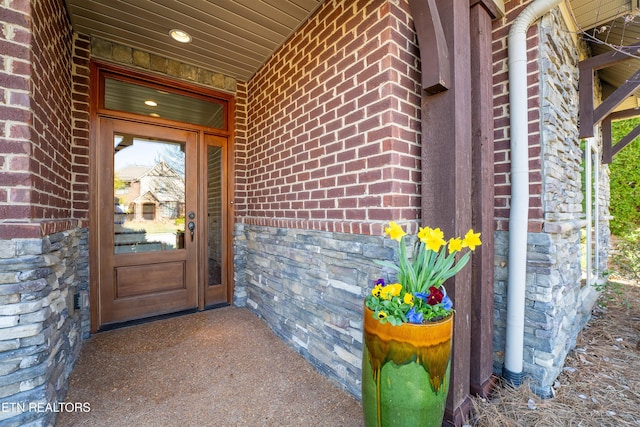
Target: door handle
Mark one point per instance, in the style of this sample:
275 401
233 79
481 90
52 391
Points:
192 227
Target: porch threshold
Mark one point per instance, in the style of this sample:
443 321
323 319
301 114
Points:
112 326
216 367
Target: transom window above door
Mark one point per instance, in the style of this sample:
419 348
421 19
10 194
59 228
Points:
121 95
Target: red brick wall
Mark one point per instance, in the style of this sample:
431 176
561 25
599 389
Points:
15 114
501 120
35 186
333 124
240 146
80 124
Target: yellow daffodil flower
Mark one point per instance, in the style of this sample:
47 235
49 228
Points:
471 240
433 238
455 245
394 231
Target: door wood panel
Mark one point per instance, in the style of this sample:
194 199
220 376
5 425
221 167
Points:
131 281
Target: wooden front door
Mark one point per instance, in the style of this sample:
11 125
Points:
160 180
147 220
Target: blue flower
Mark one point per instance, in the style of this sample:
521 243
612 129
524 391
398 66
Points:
422 296
447 304
380 282
414 317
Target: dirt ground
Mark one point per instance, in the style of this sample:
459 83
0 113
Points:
600 383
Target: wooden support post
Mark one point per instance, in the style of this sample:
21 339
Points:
482 379
457 172
446 180
607 156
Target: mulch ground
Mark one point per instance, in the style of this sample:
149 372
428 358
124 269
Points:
600 383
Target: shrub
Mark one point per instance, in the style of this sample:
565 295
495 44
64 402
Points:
626 256
625 181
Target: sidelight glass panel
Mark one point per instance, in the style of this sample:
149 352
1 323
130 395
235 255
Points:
149 194
214 214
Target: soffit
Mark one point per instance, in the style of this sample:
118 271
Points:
606 24
591 13
232 37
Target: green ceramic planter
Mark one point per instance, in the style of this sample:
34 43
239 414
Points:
405 372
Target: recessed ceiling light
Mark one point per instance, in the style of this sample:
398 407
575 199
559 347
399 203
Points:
151 103
181 36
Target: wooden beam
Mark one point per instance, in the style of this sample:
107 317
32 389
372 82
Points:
434 53
588 117
616 98
614 57
608 149
628 138
625 114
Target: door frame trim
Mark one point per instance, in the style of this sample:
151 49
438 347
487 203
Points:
99 69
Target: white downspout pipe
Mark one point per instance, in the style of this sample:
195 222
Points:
519 213
592 206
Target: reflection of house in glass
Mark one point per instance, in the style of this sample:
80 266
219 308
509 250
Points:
154 193
151 199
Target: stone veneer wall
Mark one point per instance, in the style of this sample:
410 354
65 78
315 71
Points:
40 332
149 62
309 287
558 304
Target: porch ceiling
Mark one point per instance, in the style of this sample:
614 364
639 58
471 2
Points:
233 37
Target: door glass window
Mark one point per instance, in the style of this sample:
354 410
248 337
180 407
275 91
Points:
149 194
214 214
148 101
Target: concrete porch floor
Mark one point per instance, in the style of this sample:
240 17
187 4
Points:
219 367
